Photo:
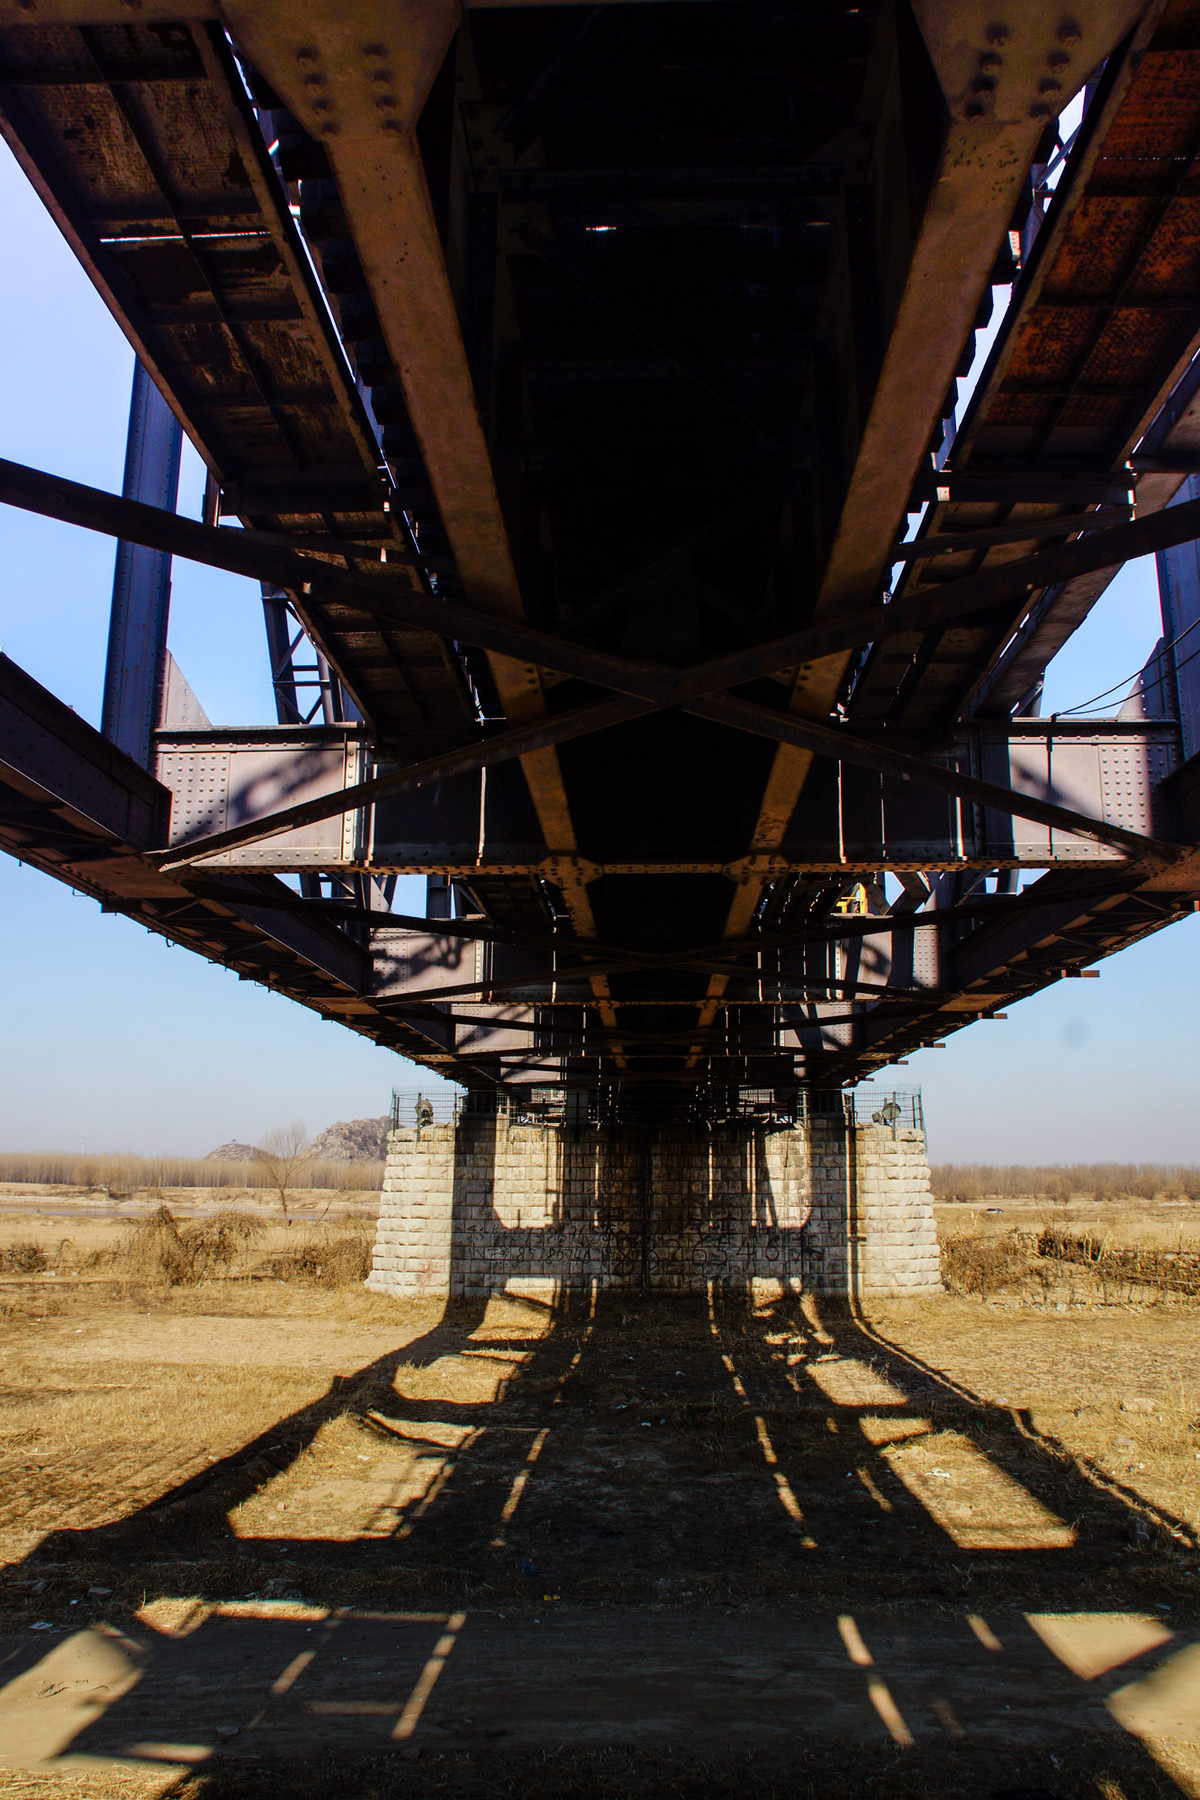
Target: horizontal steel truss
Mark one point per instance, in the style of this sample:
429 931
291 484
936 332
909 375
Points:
496 1006
1106 779
820 1007
635 688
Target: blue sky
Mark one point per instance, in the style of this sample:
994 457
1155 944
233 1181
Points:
114 1040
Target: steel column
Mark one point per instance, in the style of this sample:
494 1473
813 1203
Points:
1179 593
141 598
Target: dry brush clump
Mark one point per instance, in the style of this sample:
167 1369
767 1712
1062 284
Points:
1142 1266
329 1258
1076 1267
974 1183
23 1259
980 1263
164 1251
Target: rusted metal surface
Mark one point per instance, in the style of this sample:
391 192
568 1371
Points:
78 808
575 370
1039 782
997 113
144 143
1102 326
357 77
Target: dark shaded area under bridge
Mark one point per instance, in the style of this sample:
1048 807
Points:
680 1522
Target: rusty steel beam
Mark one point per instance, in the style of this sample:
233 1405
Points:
260 556
837 743
845 928
952 600
1025 531
1095 347
88 506
516 986
845 746
995 118
990 142
523 741
357 77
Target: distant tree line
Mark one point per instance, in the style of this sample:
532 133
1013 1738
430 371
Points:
974 1182
120 1175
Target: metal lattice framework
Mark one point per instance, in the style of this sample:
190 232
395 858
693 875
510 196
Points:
574 376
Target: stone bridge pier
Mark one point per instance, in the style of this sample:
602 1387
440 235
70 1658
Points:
492 1203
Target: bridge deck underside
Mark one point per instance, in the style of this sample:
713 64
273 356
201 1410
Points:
1103 323
609 348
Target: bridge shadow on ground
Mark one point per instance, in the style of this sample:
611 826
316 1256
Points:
626 1544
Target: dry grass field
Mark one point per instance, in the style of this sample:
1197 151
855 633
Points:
264 1534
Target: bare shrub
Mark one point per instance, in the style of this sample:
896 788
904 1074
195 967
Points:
1163 1271
162 1251
279 1157
23 1259
1069 1266
155 1251
338 1258
116 1176
979 1263
218 1246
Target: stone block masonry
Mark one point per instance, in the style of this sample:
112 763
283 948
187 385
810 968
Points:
490 1204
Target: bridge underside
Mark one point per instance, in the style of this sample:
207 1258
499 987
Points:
581 383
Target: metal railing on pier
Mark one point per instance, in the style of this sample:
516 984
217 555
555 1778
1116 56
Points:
576 1108
441 1106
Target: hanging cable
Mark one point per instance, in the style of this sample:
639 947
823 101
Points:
1065 712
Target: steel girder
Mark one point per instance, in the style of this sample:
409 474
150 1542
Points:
579 446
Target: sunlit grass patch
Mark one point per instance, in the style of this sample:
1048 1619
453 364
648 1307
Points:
974 1500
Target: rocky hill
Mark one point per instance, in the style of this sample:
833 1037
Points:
353 1140
346 1140
234 1152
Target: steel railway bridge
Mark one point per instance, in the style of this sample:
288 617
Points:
581 383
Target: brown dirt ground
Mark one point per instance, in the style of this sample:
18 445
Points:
623 1546
46 1206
